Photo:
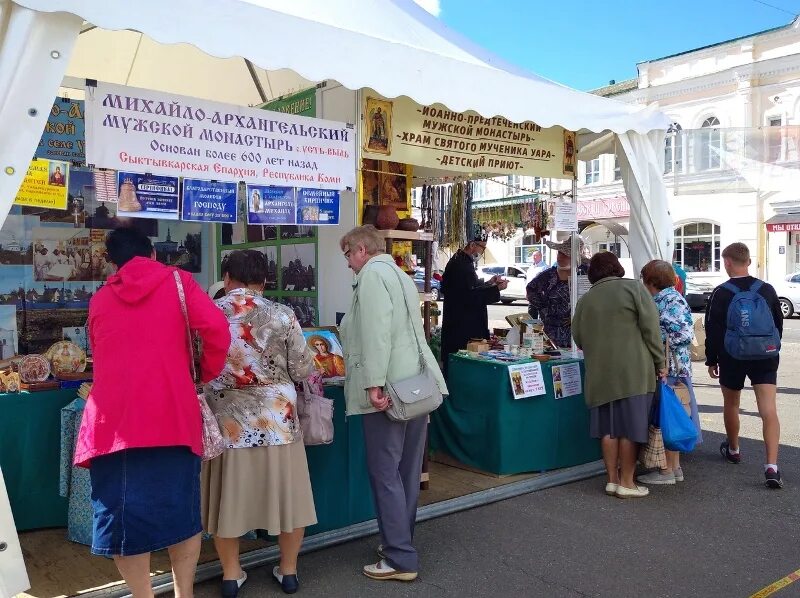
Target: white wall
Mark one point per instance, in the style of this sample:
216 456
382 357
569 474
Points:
335 278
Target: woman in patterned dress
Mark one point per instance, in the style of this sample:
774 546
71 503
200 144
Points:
261 481
677 326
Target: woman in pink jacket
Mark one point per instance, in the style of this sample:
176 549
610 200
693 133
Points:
141 434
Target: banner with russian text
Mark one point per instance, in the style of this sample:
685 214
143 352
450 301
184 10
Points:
317 207
63 137
209 201
401 130
45 185
147 196
270 205
160 133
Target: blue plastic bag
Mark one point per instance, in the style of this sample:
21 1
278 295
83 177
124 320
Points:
677 427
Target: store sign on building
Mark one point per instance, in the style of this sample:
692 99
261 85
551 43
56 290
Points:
401 130
597 209
783 227
167 134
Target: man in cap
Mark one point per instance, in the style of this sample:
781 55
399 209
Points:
466 297
549 296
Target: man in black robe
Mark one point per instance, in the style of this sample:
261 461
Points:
466 298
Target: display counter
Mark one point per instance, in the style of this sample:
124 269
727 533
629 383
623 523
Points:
483 426
30 450
30 439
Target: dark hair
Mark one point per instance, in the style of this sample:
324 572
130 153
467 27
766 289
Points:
247 266
659 274
604 264
124 244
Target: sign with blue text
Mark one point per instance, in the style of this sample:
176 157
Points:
147 196
317 206
209 201
268 204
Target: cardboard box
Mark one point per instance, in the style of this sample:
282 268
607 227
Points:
478 346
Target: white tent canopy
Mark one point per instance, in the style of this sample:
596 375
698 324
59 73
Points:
247 51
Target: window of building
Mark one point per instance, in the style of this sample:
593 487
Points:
710 140
697 247
537 183
774 134
592 171
525 248
512 185
673 149
617 170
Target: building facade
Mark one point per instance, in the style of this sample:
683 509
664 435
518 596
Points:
732 163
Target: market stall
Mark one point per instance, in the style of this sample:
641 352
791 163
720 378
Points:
351 71
507 419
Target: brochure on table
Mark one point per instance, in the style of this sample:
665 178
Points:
527 380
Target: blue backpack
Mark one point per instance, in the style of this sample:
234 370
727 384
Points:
751 332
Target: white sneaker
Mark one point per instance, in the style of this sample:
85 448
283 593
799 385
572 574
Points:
656 477
679 474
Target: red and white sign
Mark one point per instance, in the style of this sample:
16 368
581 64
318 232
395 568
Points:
597 209
783 227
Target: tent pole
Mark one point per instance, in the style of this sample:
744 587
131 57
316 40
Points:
575 260
253 75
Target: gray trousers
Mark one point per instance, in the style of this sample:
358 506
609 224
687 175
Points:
394 463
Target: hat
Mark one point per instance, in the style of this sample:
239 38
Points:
565 246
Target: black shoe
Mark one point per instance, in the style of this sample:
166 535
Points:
773 479
230 587
289 583
724 450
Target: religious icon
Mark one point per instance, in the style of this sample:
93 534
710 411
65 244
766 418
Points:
378 117
569 152
327 348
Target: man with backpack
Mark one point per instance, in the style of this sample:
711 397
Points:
744 325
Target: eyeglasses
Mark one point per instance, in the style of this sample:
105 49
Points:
347 254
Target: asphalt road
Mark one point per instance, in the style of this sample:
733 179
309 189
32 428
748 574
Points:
721 533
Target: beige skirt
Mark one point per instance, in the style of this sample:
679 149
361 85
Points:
257 488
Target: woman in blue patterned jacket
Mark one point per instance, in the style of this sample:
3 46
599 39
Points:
677 329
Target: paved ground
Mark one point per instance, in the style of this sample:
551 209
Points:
719 534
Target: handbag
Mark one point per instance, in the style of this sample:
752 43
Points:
315 413
677 427
213 442
653 455
416 395
680 389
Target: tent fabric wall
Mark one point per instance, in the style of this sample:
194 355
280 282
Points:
641 159
641 163
391 46
35 49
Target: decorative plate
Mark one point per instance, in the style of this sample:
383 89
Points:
66 358
34 368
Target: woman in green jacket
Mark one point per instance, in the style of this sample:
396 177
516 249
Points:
616 324
382 337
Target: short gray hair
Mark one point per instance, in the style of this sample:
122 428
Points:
366 235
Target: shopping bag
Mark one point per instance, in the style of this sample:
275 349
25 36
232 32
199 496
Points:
677 428
652 455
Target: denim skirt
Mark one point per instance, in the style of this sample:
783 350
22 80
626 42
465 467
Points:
144 499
